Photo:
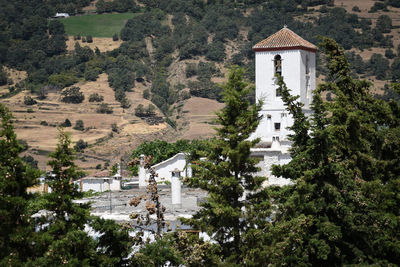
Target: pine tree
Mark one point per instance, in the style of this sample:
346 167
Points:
342 208
63 239
235 203
15 177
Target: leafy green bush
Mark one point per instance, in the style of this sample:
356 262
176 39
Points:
104 109
31 161
95 97
72 95
114 127
146 94
66 123
80 145
29 101
62 80
191 70
79 125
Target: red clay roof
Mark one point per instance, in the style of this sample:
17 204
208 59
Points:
284 39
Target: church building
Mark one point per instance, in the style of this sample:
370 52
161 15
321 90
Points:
287 54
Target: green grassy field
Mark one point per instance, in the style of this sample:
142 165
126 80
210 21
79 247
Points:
103 25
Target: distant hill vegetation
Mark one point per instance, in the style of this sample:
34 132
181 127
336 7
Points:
202 37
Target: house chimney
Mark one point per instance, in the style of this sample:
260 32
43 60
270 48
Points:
142 173
176 189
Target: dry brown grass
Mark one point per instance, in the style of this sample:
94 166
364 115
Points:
104 44
200 112
132 130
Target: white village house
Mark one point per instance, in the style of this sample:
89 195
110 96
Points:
283 53
103 181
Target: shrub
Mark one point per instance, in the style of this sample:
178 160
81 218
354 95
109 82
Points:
114 127
139 111
42 93
96 98
98 166
91 75
80 145
62 80
31 161
66 123
146 94
72 95
125 103
29 101
79 125
191 70
115 37
389 53
150 111
89 39
384 24
29 110
44 123
104 108
356 9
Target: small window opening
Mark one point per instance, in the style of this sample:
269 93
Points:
269 116
278 92
283 115
278 65
275 138
277 126
307 65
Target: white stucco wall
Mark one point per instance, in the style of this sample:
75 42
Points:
165 168
294 74
100 184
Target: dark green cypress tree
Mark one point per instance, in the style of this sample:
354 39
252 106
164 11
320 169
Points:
62 238
343 205
15 177
236 208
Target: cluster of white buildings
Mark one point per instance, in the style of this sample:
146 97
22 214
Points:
283 53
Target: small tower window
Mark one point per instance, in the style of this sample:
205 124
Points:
307 65
278 65
275 138
277 126
278 91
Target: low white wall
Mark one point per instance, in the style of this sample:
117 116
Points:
100 185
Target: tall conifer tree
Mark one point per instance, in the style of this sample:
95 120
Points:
63 238
15 177
343 205
235 200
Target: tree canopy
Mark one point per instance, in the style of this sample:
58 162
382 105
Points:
342 207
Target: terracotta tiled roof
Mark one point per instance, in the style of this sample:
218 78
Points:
284 39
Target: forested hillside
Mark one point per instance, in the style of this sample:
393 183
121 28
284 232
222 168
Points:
175 50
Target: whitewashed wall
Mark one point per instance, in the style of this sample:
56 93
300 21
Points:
100 184
294 74
164 169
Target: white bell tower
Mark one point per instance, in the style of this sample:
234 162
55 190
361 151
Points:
287 54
